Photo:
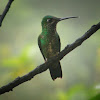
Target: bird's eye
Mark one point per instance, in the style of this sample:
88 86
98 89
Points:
49 20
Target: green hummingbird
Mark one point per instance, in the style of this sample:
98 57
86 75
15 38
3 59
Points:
49 43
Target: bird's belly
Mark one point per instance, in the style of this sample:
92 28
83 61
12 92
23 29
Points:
50 50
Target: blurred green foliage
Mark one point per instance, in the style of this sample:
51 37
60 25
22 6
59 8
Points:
17 65
97 97
77 92
19 52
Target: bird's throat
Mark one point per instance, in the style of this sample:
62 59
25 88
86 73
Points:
49 30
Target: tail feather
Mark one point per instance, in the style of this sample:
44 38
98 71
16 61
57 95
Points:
56 71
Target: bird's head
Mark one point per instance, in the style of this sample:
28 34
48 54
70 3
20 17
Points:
51 21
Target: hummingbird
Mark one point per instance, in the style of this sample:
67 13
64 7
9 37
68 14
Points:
49 43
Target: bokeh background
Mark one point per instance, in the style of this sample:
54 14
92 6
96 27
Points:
19 52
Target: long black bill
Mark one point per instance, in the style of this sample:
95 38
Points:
66 18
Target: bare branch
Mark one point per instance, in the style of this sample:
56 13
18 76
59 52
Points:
5 11
45 66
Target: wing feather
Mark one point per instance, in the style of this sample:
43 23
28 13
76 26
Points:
39 44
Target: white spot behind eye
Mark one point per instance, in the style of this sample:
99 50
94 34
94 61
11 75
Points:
48 20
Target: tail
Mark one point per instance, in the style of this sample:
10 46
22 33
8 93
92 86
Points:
56 71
